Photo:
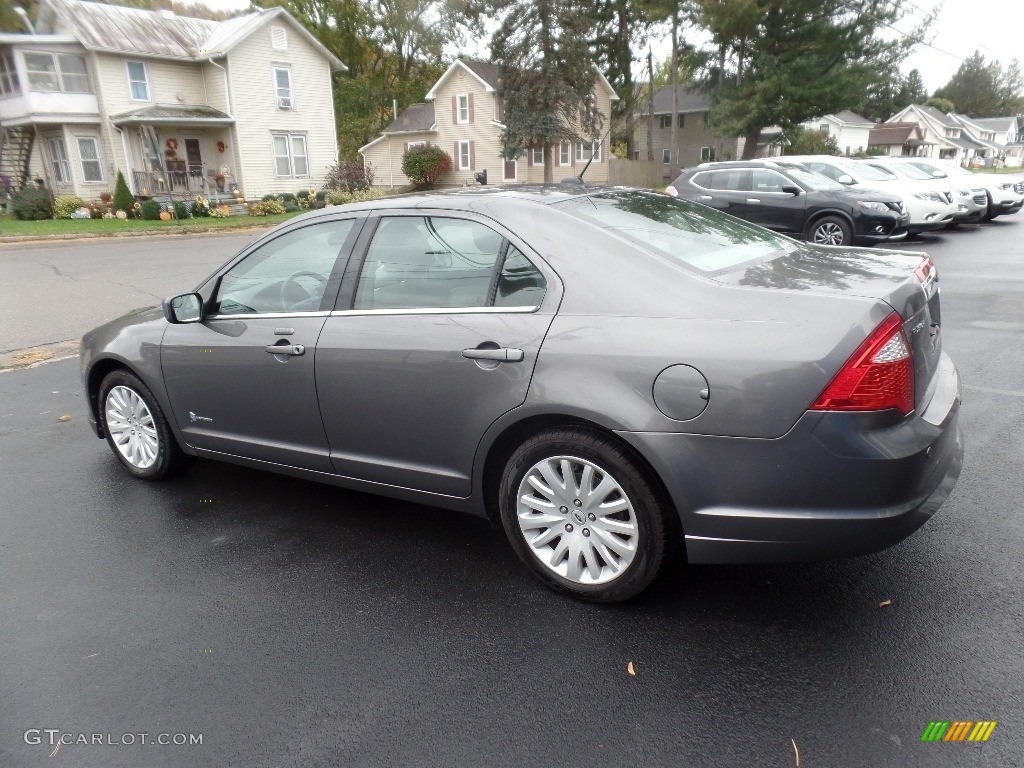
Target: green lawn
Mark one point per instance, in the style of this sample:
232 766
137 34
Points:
1018 171
11 227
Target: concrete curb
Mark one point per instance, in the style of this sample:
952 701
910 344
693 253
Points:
184 230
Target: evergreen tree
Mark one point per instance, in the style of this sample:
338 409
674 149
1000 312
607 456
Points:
974 89
546 77
124 200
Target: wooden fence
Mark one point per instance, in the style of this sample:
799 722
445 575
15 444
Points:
636 173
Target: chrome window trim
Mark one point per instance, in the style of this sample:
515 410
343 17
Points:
256 315
433 311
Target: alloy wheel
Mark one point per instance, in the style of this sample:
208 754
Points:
131 427
577 520
828 233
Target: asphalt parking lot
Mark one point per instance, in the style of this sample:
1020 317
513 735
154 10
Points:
292 624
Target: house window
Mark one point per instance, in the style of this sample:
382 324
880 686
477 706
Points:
665 121
290 159
279 38
465 160
89 154
666 156
586 150
538 156
283 87
138 82
58 153
8 76
53 73
462 109
565 153
415 145
707 154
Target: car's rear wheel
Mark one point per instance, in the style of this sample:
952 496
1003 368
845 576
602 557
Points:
136 428
584 515
830 230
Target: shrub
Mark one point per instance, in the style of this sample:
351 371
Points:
425 165
266 208
266 198
340 197
32 204
181 210
124 200
65 205
349 176
151 210
286 197
201 207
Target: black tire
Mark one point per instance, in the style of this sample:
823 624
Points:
990 211
829 228
170 459
649 507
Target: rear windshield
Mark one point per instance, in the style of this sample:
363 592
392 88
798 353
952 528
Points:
699 237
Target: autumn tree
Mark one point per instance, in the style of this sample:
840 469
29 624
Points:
546 77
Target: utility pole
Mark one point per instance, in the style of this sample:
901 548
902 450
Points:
650 105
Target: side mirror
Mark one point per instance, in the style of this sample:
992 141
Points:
938 174
789 189
481 176
846 179
186 308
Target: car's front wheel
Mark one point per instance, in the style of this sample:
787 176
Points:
136 428
584 515
830 230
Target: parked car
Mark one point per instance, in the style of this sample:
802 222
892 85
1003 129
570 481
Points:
1005 193
928 209
971 203
610 374
786 197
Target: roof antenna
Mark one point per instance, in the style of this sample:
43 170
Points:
576 181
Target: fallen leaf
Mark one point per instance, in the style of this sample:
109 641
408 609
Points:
796 752
885 604
631 669
65 417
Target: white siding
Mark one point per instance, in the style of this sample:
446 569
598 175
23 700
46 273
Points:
250 68
385 158
170 82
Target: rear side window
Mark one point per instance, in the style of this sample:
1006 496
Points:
520 284
699 237
736 180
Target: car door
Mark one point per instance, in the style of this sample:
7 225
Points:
241 381
725 190
436 336
770 207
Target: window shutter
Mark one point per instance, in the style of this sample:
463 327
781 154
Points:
529 158
455 111
472 155
458 157
471 107
405 148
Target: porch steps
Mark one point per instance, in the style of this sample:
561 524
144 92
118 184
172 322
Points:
16 154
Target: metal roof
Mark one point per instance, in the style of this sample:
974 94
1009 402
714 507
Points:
177 114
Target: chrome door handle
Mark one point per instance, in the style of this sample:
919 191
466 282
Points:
753 200
705 197
501 354
285 349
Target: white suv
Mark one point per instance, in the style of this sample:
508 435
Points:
928 208
1005 192
970 199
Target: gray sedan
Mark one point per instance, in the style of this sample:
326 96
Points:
610 375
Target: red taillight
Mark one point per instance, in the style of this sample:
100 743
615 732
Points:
879 375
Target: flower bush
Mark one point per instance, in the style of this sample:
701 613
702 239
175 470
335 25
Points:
266 208
201 207
65 205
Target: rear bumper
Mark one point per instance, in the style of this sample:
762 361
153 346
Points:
835 485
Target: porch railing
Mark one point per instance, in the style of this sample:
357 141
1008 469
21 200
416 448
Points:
192 180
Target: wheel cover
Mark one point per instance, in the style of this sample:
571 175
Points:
132 427
577 520
828 233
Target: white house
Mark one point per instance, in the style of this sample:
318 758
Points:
177 104
850 130
943 137
1001 134
462 114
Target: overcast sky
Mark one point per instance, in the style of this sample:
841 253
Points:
995 27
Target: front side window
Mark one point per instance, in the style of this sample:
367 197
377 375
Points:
426 262
89 154
290 158
138 81
283 87
762 180
462 115
58 159
8 76
288 274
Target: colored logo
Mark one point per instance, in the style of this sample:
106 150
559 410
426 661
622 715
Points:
959 730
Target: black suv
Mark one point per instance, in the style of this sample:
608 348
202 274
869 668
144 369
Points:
787 197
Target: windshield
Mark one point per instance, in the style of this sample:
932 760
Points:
699 237
874 173
812 179
912 172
